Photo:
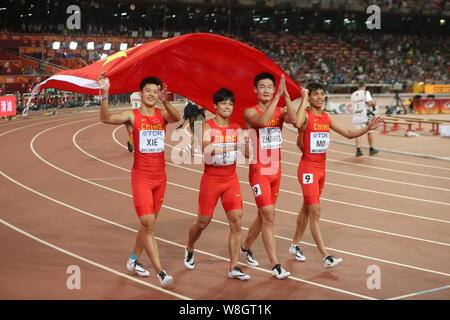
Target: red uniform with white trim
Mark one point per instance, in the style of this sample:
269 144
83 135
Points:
148 176
265 168
219 178
314 141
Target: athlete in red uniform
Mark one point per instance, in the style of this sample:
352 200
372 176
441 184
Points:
265 121
148 177
313 140
220 148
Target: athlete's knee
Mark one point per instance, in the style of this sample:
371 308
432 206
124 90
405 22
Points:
235 224
202 223
314 211
267 217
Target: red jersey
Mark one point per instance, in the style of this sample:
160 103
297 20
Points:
148 139
315 138
222 164
267 145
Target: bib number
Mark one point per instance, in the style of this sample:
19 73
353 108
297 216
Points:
270 138
308 178
257 190
225 159
151 141
319 142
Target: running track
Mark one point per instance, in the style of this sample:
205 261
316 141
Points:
66 200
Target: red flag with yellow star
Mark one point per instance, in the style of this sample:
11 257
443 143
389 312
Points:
193 65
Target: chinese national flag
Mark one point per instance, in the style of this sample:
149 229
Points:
193 65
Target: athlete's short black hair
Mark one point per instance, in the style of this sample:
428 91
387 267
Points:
262 76
150 80
313 86
361 84
223 94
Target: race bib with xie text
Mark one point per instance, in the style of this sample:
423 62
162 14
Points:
151 141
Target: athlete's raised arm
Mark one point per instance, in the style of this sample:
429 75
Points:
170 114
301 116
354 133
124 117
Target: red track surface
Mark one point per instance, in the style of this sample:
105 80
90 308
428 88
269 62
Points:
66 200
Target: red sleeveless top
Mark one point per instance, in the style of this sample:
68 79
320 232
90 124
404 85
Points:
266 141
148 139
315 139
222 164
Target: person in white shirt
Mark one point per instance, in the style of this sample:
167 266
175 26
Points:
361 99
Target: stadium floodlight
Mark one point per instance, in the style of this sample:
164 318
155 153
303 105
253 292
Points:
123 46
107 46
56 45
90 45
73 45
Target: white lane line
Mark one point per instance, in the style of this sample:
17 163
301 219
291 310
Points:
374 178
395 161
106 179
95 264
376 158
160 239
289 212
376 167
252 204
419 293
330 221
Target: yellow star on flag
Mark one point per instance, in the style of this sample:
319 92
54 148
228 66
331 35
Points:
117 55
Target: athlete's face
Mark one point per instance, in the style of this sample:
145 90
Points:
317 98
224 108
149 94
265 89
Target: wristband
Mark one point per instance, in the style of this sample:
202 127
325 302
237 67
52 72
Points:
104 97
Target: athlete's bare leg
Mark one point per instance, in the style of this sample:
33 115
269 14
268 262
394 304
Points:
234 238
267 214
302 223
139 245
370 139
196 230
314 219
253 232
147 234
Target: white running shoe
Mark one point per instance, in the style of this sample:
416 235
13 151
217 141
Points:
237 273
164 278
279 273
189 259
331 262
136 267
297 252
249 257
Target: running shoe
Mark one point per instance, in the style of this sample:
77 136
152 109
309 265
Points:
331 262
136 267
279 273
373 151
249 257
237 273
164 278
297 252
359 152
189 259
